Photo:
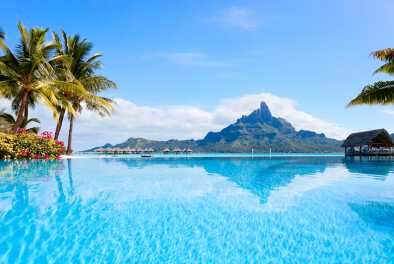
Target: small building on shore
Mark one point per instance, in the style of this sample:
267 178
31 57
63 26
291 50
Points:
376 142
177 150
166 150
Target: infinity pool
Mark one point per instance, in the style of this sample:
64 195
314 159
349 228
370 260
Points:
197 210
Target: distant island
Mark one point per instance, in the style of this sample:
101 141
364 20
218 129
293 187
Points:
259 131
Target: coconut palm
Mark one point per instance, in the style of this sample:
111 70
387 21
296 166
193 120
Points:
381 92
101 105
8 121
23 73
78 73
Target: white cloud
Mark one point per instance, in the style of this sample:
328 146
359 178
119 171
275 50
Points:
179 121
191 58
388 112
239 17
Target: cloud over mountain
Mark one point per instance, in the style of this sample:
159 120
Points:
179 121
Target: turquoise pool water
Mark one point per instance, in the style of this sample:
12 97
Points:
283 209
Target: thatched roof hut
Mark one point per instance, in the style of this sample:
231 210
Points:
372 142
177 150
377 137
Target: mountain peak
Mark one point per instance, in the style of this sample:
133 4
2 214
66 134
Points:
265 113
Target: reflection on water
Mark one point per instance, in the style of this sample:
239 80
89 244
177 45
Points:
376 213
378 167
138 209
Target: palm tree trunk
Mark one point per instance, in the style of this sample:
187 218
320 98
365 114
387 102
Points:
70 135
21 112
59 123
26 113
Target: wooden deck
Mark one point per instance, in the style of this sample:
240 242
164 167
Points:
370 153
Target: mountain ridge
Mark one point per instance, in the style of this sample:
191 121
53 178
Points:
259 130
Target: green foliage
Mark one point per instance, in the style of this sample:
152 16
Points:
7 121
381 92
378 93
24 73
25 145
60 73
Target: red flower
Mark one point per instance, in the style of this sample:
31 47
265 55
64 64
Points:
46 135
59 142
47 156
37 156
24 153
20 130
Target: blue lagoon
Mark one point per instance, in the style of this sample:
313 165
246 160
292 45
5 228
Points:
302 209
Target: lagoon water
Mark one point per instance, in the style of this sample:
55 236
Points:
201 209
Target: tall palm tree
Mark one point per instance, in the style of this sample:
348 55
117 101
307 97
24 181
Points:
22 73
77 70
381 92
101 105
9 121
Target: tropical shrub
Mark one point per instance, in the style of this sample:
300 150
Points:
25 145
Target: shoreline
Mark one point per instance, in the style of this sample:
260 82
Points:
201 155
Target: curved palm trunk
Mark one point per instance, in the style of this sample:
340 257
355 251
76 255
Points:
59 123
21 112
70 135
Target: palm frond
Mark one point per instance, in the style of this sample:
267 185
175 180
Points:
378 93
97 83
32 120
101 105
34 130
384 54
7 117
387 68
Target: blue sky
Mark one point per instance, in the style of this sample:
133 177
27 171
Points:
168 54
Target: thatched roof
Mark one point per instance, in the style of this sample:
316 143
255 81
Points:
379 137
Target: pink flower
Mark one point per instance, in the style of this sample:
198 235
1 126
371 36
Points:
46 135
59 142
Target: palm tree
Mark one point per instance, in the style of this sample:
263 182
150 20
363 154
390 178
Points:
92 102
23 73
381 92
2 34
9 121
77 73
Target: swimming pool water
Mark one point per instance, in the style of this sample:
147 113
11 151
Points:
197 210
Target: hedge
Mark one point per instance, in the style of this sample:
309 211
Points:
24 145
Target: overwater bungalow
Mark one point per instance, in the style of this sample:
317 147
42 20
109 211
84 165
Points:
129 150
139 150
166 150
369 143
177 150
187 150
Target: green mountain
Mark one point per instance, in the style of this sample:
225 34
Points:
259 131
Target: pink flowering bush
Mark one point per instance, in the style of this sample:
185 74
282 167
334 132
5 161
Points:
24 145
